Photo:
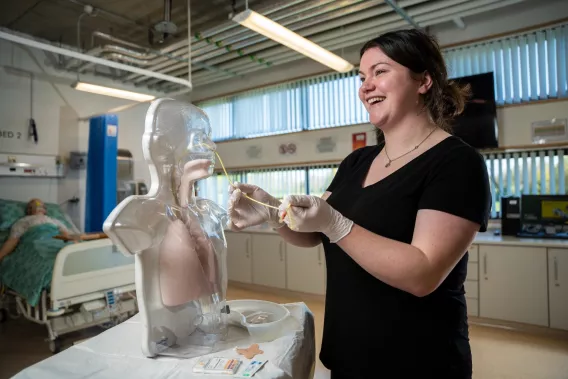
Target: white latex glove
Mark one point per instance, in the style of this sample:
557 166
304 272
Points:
314 214
244 213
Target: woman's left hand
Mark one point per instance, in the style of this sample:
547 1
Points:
305 213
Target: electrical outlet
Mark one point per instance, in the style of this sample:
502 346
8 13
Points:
11 159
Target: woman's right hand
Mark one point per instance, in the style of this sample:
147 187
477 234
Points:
244 213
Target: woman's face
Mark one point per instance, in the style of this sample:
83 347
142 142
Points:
388 91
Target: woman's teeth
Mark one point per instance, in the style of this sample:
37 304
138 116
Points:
377 99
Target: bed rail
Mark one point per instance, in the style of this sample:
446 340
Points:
85 271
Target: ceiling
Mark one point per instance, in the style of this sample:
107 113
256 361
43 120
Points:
125 31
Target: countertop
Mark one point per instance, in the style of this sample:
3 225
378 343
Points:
487 238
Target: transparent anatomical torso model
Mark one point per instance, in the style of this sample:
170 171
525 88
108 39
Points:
177 238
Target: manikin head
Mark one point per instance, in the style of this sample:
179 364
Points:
178 138
35 207
403 74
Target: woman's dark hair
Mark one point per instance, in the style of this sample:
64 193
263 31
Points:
420 52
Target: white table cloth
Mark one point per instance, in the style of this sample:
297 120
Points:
116 354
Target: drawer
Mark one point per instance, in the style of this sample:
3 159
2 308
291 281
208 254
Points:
472 271
473 253
472 307
471 289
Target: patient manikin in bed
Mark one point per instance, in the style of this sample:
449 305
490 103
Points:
35 215
177 238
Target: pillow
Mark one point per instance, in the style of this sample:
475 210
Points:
11 211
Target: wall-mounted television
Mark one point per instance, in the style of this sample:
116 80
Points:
477 125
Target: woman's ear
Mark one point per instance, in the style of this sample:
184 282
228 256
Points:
425 83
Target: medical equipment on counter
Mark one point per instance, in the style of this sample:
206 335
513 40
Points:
177 239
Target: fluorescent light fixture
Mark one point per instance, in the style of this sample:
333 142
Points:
108 91
285 36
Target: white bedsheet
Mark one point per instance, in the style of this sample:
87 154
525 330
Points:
116 354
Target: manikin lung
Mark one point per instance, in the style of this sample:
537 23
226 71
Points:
177 238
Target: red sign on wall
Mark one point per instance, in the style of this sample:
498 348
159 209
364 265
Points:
359 140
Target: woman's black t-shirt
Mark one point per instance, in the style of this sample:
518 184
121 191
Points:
371 329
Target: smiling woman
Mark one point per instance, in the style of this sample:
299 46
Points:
395 223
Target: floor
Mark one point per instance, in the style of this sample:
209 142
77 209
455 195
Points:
497 353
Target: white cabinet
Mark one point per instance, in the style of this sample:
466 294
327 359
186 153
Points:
513 284
306 269
269 260
472 282
239 257
558 287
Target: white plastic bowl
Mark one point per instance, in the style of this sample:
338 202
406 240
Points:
266 331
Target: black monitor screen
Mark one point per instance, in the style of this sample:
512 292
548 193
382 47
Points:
547 209
477 125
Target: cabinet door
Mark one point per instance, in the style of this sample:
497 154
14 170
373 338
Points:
239 257
269 261
558 287
305 269
513 284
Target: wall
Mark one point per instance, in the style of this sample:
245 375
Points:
234 153
57 109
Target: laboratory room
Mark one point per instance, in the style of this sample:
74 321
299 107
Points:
298 189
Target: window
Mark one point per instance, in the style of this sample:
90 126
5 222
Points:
530 66
279 182
531 172
527 67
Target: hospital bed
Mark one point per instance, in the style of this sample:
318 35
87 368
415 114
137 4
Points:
91 283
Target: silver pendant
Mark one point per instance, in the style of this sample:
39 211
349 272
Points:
388 164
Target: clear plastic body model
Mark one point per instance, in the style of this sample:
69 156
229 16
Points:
177 238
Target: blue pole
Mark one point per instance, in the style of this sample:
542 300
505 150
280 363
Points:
101 171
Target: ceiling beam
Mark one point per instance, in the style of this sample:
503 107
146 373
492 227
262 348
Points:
402 13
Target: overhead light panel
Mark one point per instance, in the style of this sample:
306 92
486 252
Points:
285 36
114 92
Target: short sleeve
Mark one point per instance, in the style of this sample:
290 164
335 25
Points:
459 185
19 228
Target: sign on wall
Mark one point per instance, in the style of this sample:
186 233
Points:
359 140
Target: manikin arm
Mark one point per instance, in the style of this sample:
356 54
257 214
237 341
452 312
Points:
8 246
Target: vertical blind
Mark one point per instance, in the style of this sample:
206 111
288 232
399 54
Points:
536 172
312 180
526 67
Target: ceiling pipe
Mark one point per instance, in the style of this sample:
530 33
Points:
313 9
283 6
327 23
245 33
279 52
402 13
327 20
448 16
74 54
423 12
279 16
296 24
268 10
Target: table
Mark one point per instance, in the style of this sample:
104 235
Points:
116 353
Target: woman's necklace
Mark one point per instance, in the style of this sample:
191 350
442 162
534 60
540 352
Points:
415 147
